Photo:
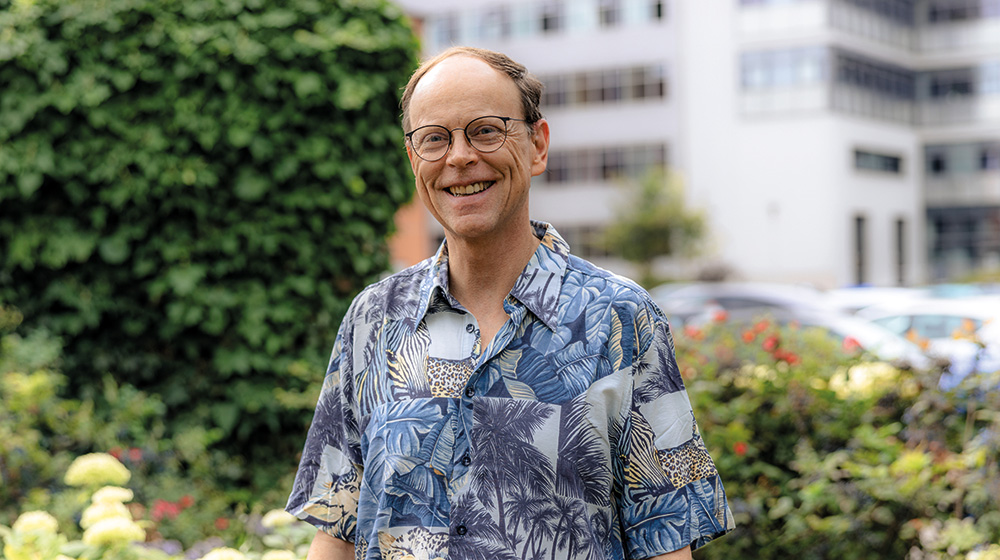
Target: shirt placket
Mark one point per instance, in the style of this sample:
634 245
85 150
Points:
477 385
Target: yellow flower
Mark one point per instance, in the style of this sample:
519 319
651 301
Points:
277 518
113 530
95 469
40 521
279 555
112 494
224 554
103 510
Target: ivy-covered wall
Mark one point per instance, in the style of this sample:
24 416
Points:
191 191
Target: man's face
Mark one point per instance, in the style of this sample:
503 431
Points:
473 194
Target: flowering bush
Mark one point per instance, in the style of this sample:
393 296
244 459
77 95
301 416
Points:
827 453
110 531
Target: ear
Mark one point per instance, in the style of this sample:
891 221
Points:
540 142
413 158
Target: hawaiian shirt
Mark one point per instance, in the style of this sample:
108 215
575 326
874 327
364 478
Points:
569 436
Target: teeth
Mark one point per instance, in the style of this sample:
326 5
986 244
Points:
470 189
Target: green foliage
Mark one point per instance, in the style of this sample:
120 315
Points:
192 191
176 481
826 454
655 221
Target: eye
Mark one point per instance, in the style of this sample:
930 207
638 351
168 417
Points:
485 130
431 137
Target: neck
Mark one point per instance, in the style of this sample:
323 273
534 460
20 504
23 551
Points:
482 272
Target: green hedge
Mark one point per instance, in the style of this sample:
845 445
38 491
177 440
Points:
191 191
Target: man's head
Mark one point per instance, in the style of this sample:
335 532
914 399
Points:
529 87
475 139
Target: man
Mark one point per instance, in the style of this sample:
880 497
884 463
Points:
503 399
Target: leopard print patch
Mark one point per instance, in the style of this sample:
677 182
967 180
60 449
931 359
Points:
448 377
687 462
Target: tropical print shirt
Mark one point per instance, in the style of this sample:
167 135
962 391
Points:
569 436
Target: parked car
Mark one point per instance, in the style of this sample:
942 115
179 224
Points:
966 331
683 303
845 329
851 300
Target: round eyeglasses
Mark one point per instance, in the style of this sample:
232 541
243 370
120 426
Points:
486 134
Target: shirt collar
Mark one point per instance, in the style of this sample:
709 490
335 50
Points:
537 287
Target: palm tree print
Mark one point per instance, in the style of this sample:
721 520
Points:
504 452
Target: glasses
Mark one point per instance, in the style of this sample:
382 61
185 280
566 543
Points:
486 134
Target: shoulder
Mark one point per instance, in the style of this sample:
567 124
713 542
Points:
396 296
585 276
590 289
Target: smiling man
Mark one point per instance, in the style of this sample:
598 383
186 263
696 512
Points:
503 399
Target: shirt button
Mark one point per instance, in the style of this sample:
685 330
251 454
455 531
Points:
460 530
470 392
466 461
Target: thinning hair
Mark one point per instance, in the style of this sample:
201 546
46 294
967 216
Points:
528 85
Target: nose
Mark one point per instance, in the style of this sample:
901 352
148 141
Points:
461 152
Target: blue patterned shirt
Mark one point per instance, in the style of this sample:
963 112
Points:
569 436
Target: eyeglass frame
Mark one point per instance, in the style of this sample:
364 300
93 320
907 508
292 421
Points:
465 132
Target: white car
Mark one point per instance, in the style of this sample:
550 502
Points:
966 331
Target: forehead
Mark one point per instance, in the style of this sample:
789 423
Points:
461 88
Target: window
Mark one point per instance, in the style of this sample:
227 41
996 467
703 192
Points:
603 164
900 252
615 85
937 163
860 246
875 77
551 17
496 23
989 159
877 162
783 68
609 13
657 10
446 29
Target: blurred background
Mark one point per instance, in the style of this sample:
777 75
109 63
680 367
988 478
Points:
191 194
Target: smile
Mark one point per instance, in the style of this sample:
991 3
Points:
466 190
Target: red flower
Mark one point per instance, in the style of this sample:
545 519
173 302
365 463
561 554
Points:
791 357
135 454
761 326
740 448
221 523
770 343
163 508
748 336
692 332
851 345
186 501
116 452
720 316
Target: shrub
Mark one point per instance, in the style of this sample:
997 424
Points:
827 454
192 191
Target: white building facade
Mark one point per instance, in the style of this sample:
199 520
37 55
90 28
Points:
830 142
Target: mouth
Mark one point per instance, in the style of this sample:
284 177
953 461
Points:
466 190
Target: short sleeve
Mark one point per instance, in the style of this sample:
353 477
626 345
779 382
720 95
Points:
672 494
327 484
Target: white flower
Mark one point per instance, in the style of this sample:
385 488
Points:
40 521
277 518
103 510
112 494
113 530
279 555
224 554
95 469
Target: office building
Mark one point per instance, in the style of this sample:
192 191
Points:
830 142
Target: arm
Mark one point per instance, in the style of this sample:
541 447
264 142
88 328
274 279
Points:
682 554
325 547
